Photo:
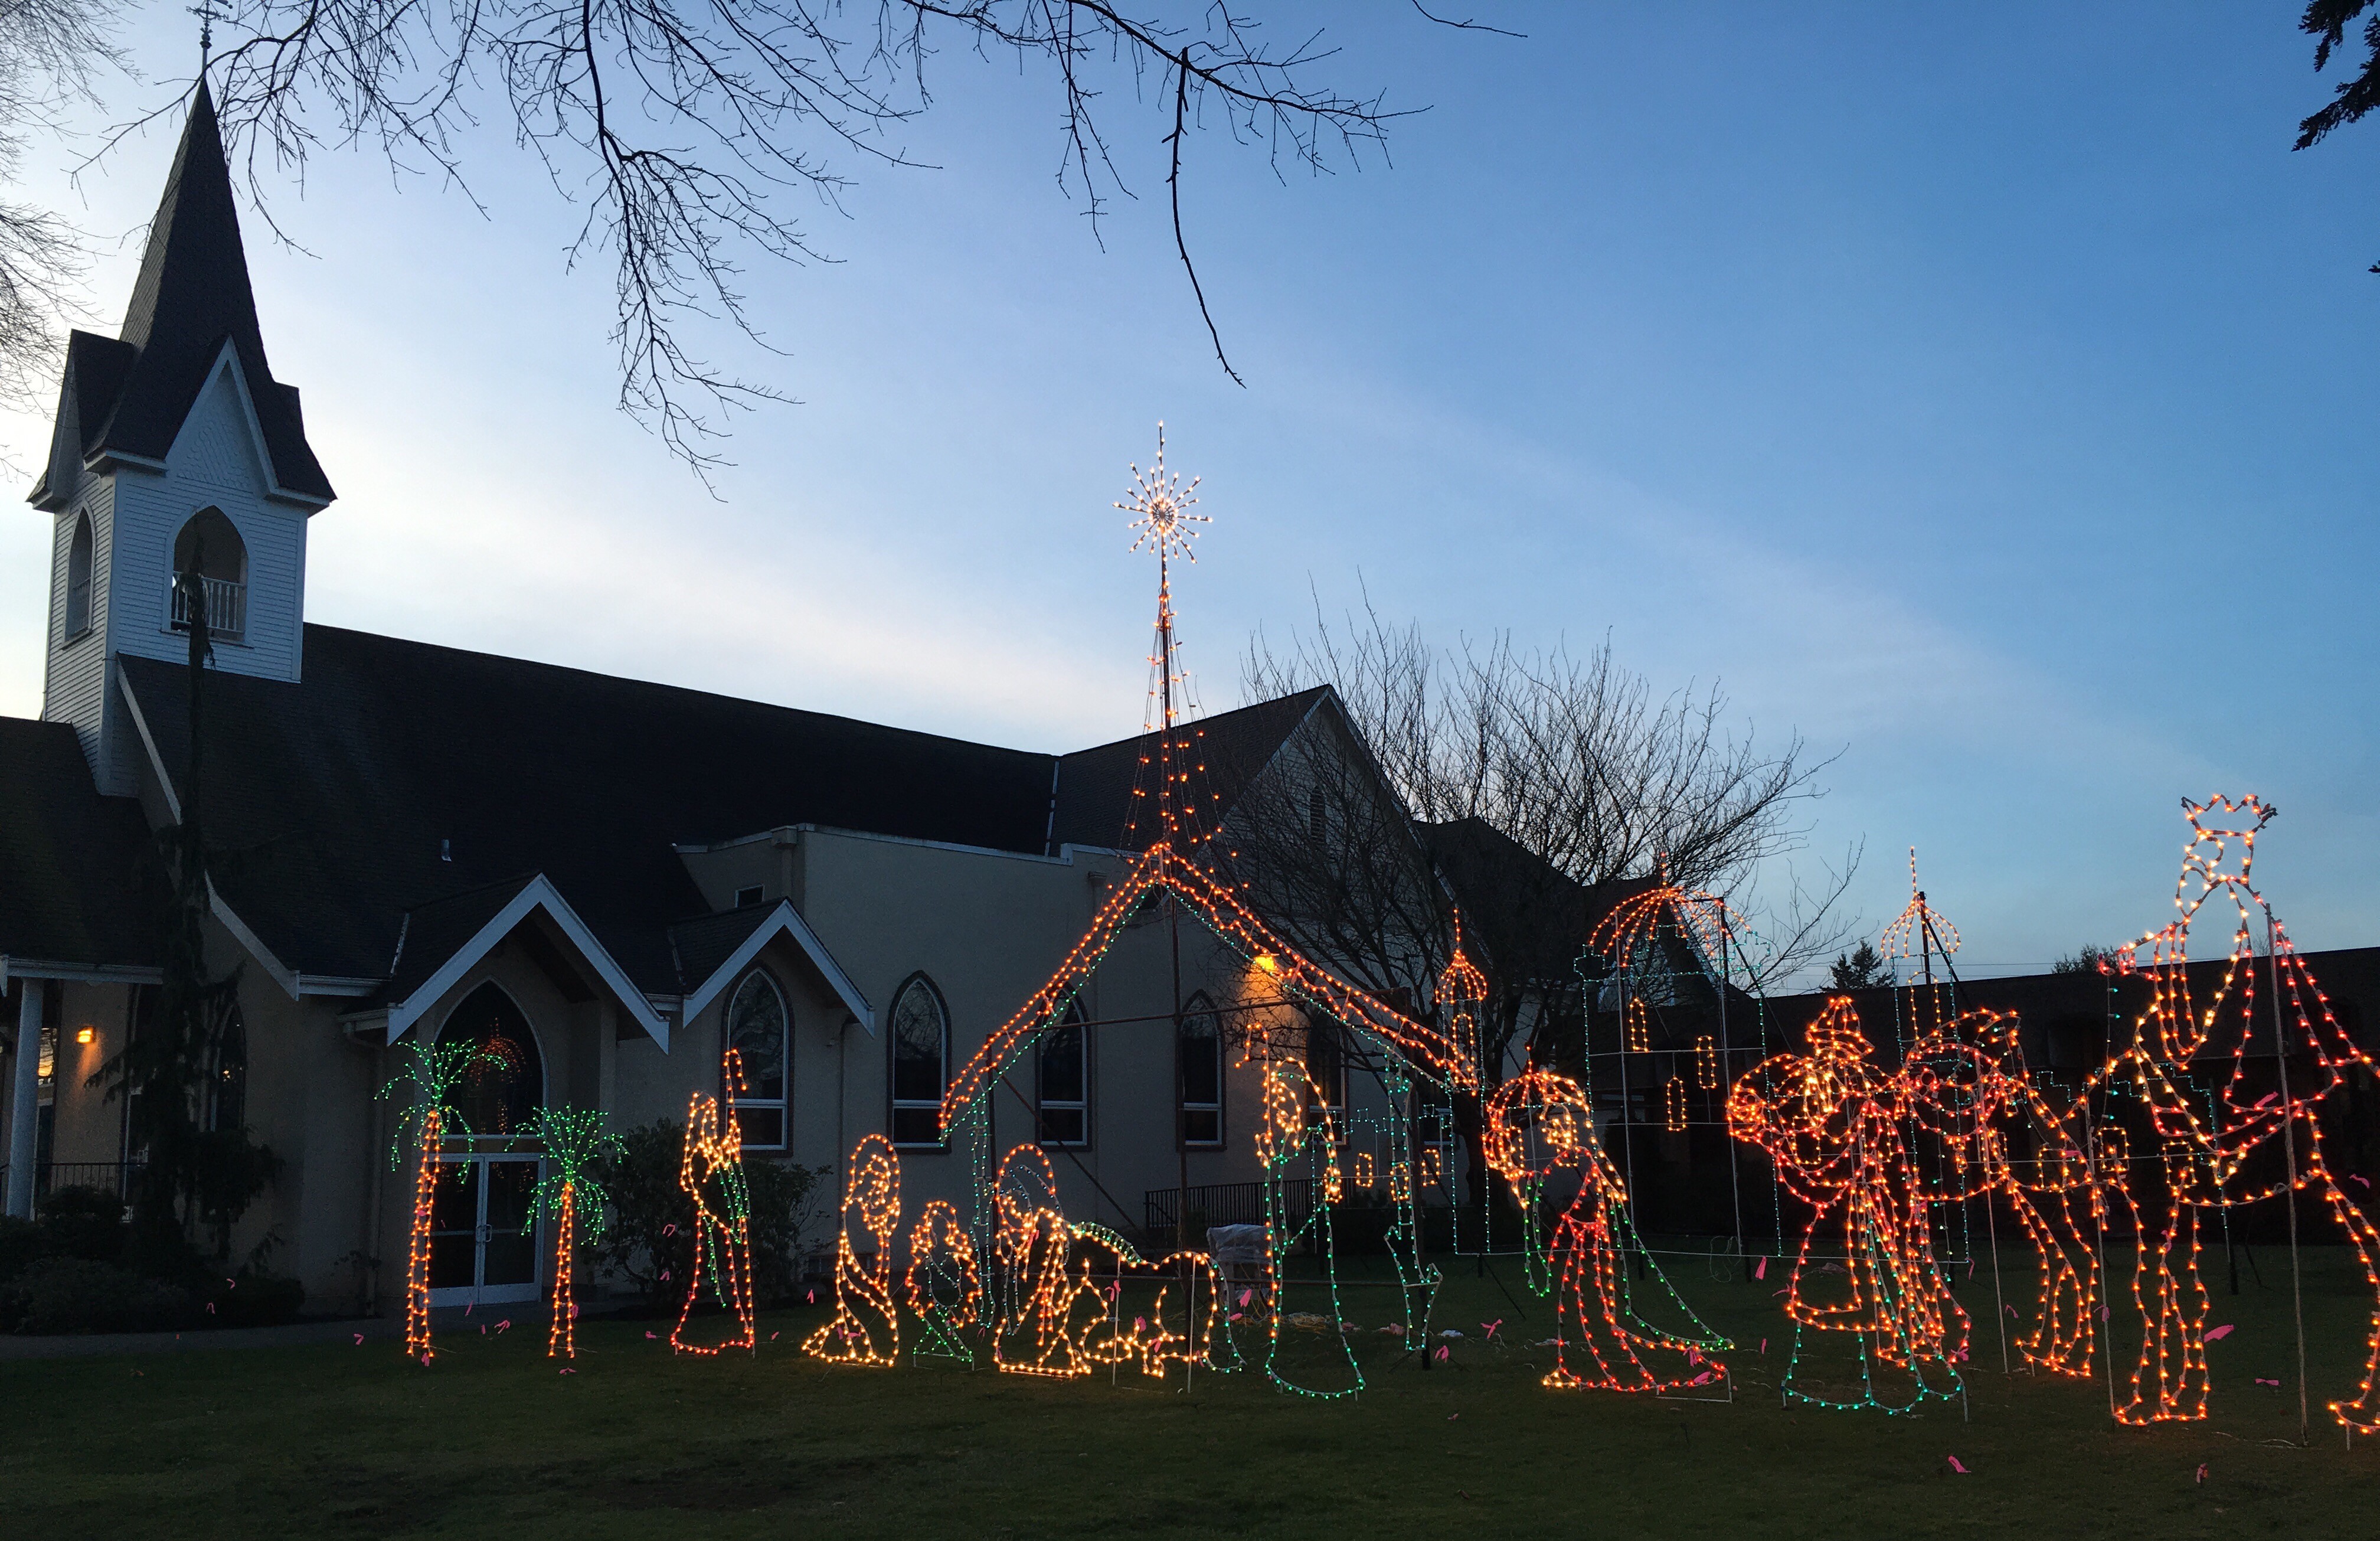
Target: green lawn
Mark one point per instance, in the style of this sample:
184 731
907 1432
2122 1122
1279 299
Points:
493 1441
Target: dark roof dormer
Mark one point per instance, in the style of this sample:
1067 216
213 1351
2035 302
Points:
125 397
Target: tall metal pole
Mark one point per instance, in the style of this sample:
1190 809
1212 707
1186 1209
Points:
2289 1153
1172 899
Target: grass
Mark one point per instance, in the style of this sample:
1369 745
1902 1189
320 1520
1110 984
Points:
345 1441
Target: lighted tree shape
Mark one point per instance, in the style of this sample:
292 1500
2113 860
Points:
429 1118
574 1139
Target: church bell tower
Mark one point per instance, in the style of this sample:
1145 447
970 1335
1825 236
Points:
174 445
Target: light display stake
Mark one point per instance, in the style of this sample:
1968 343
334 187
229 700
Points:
866 1327
713 1166
574 1139
432 1072
1539 1123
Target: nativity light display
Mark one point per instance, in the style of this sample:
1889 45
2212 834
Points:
866 1327
430 1073
710 1170
574 1141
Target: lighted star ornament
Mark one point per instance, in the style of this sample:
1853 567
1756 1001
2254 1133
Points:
1159 504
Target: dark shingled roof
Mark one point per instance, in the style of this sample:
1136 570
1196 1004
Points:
704 943
80 877
1095 786
344 794
341 790
434 931
131 393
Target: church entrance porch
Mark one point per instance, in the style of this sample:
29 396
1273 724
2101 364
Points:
484 1230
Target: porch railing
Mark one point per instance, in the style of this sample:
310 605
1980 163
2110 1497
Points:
112 1177
1225 1204
226 608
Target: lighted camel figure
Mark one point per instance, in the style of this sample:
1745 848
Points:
944 1287
1539 1124
1968 1106
1830 1121
866 1327
2242 1145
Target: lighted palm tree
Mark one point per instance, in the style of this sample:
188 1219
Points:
429 1118
575 1141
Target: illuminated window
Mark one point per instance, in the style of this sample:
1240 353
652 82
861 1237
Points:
922 1059
78 579
505 1083
756 1031
1201 1056
1063 1064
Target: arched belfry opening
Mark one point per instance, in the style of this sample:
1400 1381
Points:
208 545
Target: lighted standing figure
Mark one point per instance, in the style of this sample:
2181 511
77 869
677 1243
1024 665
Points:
866 1327
431 1118
575 1141
2253 1140
1831 1122
1986 1131
1540 1127
711 1172
944 1291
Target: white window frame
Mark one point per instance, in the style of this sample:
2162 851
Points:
899 1105
782 1103
1196 1007
1042 1103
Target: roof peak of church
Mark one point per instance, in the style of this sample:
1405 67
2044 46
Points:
128 395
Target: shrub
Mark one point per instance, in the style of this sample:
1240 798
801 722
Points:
258 1300
76 1294
83 1222
21 1246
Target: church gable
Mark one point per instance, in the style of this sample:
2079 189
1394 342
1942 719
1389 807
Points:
220 444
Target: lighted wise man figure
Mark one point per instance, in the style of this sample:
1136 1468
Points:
1540 1125
2258 1137
1830 1123
866 1327
1979 1129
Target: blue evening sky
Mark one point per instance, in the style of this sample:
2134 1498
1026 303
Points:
1984 392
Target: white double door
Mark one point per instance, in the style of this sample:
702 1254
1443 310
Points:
483 1246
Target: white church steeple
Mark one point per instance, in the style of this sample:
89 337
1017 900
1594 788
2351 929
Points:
175 443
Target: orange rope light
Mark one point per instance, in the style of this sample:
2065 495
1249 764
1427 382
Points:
943 1289
1033 1246
1830 1121
2236 1148
866 1328
714 1156
1539 1123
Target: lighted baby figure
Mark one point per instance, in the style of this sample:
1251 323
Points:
1539 1124
866 1327
2257 1137
943 1289
1831 1122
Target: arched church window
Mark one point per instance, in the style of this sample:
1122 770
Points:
1064 1078
758 1031
921 1060
1201 1056
209 547
505 1083
78 579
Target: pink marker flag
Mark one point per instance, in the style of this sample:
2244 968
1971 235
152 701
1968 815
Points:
1235 1315
569 1372
1693 1356
1246 1296
210 1310
1140 1324
2010 1309
652 1335
2262 1381
2261 1102
2102 1312
1760 1270
812 1298
2354 1177
670 1229
2201 1470
1442 1355
359 1340
1764 1348
772 1337
2215 1333
1705 1378
425 1356
501 1325
1954 1464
